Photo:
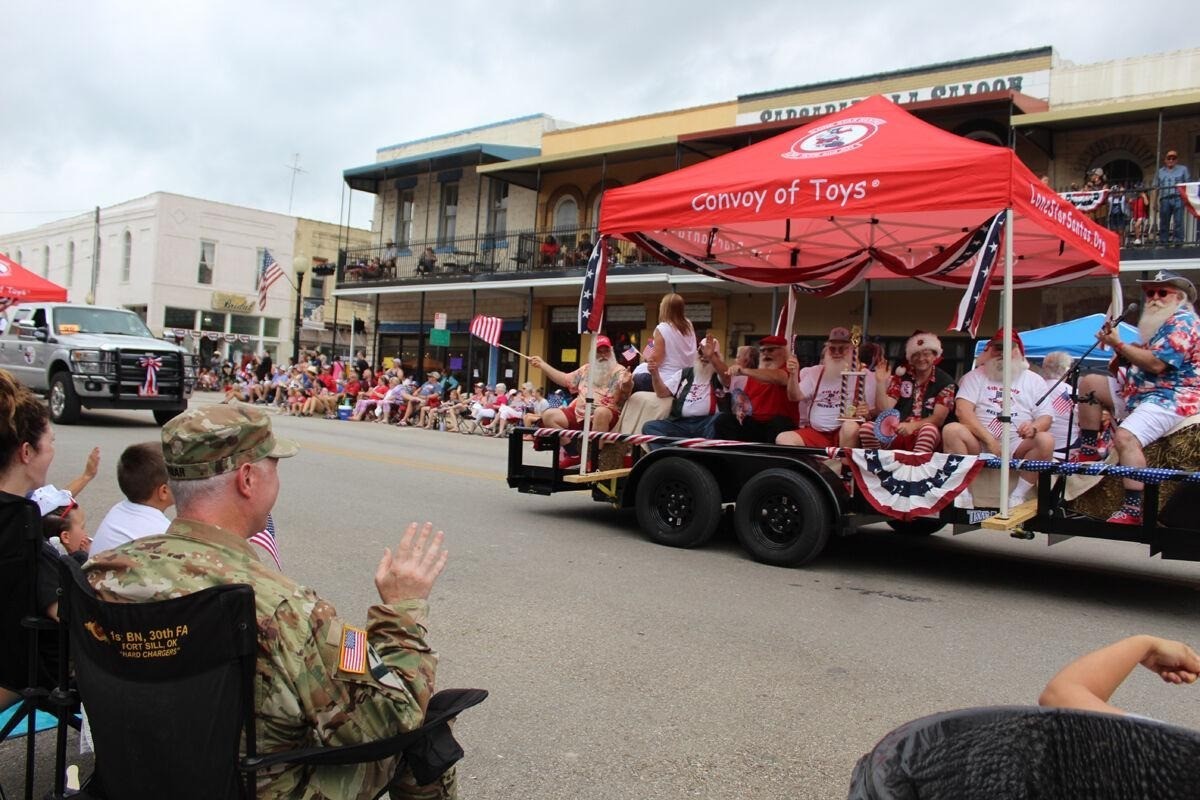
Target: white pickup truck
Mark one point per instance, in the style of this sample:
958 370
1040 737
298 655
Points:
95 357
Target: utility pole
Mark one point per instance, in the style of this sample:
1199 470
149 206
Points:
294 167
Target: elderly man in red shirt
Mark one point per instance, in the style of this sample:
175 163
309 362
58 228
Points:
761 409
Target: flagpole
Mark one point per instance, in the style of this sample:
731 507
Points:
1006 406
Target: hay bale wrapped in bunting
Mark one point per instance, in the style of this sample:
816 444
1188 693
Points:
1179 450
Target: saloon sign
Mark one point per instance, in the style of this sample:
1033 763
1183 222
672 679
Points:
1034 84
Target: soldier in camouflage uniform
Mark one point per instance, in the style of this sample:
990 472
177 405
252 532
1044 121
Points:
222 462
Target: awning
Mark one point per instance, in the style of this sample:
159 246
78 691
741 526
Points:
367 178
524 172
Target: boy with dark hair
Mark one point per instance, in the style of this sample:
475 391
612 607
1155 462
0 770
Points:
142 476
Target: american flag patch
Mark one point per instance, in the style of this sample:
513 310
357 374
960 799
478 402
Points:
1062 404
354 650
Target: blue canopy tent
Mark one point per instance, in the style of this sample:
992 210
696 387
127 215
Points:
1074 337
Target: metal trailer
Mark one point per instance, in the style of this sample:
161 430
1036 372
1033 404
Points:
785 503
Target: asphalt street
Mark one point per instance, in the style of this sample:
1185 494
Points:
621 669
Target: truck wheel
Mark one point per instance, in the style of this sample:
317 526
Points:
164 415
922 526
781 518
678 503
64 403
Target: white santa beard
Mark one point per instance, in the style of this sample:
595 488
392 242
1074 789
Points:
1155 313
993 368
836 365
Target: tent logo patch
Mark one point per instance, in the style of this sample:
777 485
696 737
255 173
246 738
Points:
834 138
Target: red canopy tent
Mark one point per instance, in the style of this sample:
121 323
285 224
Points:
871 192
19 285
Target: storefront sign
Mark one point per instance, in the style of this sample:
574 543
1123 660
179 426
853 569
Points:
223 301
439 321
314 314
439 337
1034 84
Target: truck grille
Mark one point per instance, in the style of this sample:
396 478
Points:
132 375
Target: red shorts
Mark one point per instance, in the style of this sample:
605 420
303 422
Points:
575 422
815 438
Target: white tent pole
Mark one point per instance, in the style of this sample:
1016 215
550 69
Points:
589 401
1006 407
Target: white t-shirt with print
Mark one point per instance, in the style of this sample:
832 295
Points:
988 396
826 404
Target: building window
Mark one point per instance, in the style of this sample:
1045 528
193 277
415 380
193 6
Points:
271 327
404 217
447 214
70 263
566 215
179 318
126 256
46 261
241 323
208 253
497 221
20 257
316 285
212 321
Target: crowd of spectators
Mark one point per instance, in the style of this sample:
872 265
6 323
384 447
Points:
317 386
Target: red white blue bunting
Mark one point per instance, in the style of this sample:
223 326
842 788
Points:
906 485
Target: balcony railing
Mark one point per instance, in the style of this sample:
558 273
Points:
532 254
528 253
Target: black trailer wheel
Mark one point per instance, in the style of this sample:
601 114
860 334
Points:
782 518
678 503
922 526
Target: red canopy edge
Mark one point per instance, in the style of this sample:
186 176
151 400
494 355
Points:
872 192
19 285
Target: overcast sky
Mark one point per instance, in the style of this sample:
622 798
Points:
108 101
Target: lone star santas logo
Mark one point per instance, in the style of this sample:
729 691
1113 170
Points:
834 138
152 364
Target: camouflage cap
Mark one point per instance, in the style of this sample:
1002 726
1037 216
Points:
210 441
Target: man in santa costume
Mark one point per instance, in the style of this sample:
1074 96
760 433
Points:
819 391
921 394
977 408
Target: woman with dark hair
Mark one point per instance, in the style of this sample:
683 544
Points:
26 450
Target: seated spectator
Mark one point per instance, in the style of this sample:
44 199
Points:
518 404
432 387
389 255
64 524
397 397
583 250
1088 683
324 395
430 412
921 394
427 262
548 251
485 412
462 408
368 400
694 405
537 407
142 478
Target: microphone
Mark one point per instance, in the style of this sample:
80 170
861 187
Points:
1129 311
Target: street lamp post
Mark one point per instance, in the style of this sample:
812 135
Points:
300 264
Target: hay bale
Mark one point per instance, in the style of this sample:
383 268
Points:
1179 450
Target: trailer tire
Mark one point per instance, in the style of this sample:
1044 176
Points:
782 518
678 503
922 526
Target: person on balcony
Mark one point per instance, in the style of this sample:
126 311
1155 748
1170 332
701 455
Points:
1170 204
583 250
549 251
427 262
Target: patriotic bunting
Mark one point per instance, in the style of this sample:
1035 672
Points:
1086 201
152 364
905 485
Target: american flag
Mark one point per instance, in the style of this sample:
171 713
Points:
354 650
591 299
970 309
487 328
1062 403
630 353
995 427
269 272
266 540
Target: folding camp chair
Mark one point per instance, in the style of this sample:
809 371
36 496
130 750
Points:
30 662
1030 752
169 691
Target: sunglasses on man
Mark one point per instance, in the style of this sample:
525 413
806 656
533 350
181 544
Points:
1163 293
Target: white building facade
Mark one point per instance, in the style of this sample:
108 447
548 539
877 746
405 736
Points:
189 267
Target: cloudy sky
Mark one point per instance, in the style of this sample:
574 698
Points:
106 101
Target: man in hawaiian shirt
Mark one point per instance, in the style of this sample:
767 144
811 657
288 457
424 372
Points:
1161 386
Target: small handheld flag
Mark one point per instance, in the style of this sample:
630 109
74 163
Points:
630 353
487 329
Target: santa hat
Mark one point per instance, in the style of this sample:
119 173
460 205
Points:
922 340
